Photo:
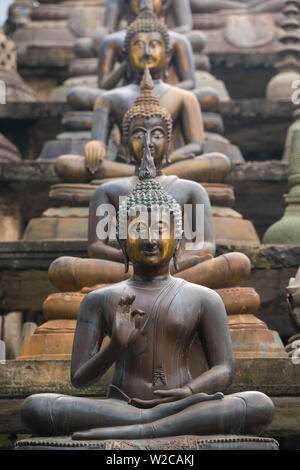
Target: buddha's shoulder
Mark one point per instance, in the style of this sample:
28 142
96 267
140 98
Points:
116 95
201 293
104 295
192 187
119 186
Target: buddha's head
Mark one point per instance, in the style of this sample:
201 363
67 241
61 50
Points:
158 6
147 122
149 224
147 43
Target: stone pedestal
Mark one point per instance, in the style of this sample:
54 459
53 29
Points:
216 442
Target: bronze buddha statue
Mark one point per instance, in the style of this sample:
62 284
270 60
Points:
147 43
169 341
181 62
148 118
176 12
75 277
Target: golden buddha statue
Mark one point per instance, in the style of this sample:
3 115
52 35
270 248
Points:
176 12
168 339
147 43
148 117
181 62
147 122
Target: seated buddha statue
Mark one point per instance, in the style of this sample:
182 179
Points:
176 12
181 56
168 339
148 118
147 43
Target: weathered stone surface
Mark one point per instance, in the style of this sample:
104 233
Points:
8 151
286 420
31 111
26 289
268 256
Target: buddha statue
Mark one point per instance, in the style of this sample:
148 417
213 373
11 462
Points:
148 117
168 339
181 62
177 13
147 123
147 43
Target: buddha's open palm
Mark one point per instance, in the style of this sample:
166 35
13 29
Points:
124 331
95 152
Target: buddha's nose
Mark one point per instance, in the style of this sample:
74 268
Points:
150 243
147 52
148 141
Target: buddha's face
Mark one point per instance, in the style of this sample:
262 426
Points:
152 130
150 238
147 49
136 5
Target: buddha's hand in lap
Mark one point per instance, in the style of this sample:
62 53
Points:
124 330
175 394
95 152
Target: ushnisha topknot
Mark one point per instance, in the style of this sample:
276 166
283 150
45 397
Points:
149 195
147 22
146 105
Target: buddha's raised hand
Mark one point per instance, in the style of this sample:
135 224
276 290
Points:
124 330
95 152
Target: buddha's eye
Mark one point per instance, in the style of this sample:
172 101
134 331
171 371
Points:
139 135
160 228
139 43
138 229
157 134
154 43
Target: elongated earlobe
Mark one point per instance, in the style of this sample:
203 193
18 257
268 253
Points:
126 259
175 255
168 159
126 263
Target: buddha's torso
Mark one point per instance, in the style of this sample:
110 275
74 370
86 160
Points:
174 186
168 353
122 99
